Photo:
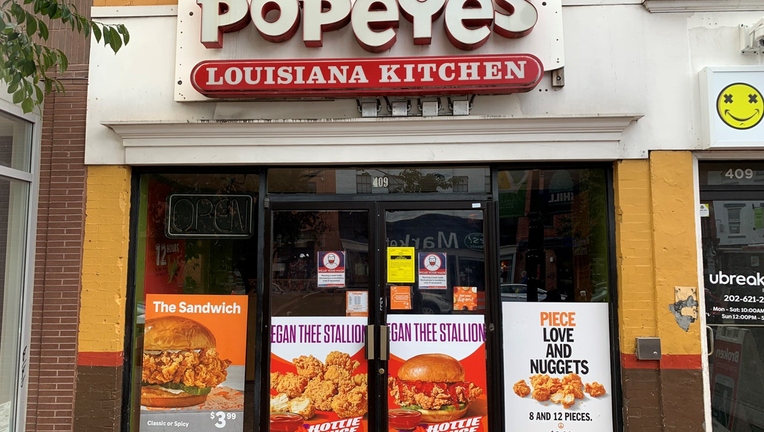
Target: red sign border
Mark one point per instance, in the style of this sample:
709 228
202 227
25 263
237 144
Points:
350 92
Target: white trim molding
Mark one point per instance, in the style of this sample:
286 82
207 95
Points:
102 12
661 6
379 140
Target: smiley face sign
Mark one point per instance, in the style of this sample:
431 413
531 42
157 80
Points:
740 106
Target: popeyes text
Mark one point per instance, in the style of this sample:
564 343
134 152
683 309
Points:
468 23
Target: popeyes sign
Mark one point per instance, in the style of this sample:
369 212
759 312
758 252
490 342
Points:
251 49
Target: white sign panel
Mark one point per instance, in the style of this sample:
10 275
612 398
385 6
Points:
557 367
732 106
404 29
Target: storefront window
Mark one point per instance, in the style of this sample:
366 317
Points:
15 139
14 199
553 235
195 301
16 195
732 224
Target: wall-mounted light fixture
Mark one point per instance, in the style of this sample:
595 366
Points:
752 38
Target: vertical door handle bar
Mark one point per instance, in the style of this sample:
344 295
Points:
710 330
384 343
370 354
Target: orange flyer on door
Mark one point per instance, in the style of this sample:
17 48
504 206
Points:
400 297
465 298
194 351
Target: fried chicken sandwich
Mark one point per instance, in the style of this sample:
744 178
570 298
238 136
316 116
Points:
434 385
180 363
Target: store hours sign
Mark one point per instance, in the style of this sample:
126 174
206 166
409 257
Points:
352 48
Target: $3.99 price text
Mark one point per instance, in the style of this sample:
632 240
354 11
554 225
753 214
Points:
558 416
221 418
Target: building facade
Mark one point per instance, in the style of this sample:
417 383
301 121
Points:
412 216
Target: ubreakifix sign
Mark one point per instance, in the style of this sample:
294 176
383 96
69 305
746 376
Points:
351 48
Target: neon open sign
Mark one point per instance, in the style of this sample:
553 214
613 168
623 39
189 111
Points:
202 216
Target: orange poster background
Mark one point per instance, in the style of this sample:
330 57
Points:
400 297
230 330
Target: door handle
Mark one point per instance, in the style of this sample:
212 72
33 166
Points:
710 352
370 354
384 343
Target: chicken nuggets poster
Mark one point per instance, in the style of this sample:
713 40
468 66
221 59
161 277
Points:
437 373
318 377
557 367
193 363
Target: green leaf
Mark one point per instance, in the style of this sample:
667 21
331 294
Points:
125 33
27 105
43 30
97 32
52 9
66 14
39 96
106 36
2 23
48 86
116 41
18 96
31 24
63 62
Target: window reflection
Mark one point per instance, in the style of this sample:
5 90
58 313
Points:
553 235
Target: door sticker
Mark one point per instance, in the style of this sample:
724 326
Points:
400 265
400 297
331 269
465 298
432 271
318 376
357 303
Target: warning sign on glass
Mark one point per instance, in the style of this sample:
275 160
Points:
432 271
331 269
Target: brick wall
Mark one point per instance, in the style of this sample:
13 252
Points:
52 373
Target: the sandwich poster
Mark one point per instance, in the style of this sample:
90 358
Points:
557 367
437 373
194 349
319 379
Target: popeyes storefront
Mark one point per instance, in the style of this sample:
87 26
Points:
341 220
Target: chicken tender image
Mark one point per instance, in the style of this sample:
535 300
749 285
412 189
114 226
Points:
574 388
343 360
553 385
291 384
521 389
540 394
302 406
308 366
353 403
568 400
539 380
557 397
595 389
570 378
275 377
321 393
279 403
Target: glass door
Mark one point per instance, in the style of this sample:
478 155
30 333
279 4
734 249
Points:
433 265
321 284
353 348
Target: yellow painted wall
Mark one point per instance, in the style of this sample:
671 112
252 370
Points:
656 248
104 259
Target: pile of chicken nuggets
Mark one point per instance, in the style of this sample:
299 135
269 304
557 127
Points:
322 386
564 391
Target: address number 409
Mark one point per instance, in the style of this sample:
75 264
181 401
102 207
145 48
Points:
740 173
